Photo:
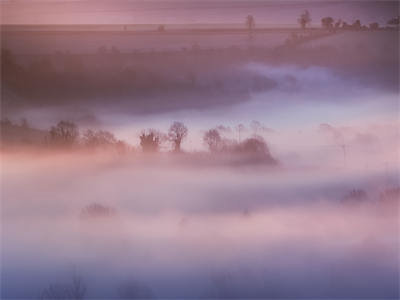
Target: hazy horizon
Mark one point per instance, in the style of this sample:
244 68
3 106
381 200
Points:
191 11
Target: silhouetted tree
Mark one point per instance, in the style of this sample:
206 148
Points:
356 25
374 26
250 22
98 138
256 149
150 141
304 19
394 21
327 23
65 133
76 290
177 132
213 140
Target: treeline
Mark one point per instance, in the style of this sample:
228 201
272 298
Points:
329 23
65 135
110 73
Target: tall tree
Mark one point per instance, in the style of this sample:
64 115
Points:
177 132
327 22
213 140
304 19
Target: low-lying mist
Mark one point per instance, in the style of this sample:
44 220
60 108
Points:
220 164
160 227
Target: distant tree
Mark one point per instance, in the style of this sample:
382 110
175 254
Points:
98 138
253 145
213 140
250 22
177 132
356 25
161 28
338 24
65 133
150 141
394 21
75 290
327 22
304 19
96 210
254 149
345 25
374 26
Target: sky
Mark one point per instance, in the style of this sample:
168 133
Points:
268 12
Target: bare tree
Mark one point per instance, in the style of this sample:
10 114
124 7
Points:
213 140
98 138
75 290
65 133
304 19
177 132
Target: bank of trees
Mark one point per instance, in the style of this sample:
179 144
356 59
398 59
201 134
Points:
65 135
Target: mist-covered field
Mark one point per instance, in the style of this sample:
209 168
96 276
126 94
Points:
169 228
201 161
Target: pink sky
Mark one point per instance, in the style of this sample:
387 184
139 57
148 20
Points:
267 12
